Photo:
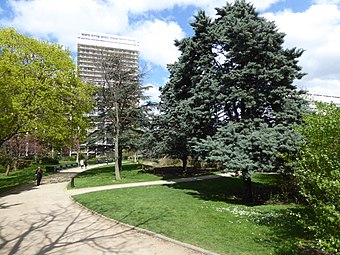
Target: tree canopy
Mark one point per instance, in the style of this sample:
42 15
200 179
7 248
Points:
230 97
40 92
118 102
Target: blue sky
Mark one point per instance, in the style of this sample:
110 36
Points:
313 25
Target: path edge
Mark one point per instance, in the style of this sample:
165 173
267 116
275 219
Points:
145 231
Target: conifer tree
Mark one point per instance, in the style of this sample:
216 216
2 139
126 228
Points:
232 91
187 111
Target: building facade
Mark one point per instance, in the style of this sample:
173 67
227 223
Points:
92 48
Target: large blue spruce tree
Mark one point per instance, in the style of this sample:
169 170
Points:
232 92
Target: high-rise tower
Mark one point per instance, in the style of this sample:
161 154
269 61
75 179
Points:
93 49
93 46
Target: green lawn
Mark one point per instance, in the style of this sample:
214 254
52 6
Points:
131 172
105 175
208 214
17 178
21 176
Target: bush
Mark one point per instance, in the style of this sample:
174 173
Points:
318 175
47 160
167 161
92 161
69 158
23 163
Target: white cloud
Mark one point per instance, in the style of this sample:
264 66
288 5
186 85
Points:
153 92
62 20
156 39
326 1
317 30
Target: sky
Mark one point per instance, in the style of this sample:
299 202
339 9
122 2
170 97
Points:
312 25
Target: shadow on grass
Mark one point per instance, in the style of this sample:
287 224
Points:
285 230
288 234
227 189
175 172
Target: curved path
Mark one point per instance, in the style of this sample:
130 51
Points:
45 220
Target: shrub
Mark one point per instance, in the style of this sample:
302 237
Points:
47 160
23 163
318 175
69 158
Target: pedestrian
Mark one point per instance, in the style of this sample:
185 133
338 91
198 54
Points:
38 175
81 163
85 163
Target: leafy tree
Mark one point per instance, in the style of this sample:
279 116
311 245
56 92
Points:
40 92
117 101
318 174
232 87
39 89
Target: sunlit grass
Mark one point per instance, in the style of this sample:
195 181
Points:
131 172
22 176
105 175
206 213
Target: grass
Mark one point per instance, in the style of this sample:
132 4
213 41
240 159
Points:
208 214
130 173
105 175
20 177
17 178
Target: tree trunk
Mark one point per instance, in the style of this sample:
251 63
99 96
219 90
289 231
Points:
8 169
135 157
248 193
120 162
14 164
185 165
117 156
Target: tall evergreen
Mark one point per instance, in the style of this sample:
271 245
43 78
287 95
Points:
232 91
186 108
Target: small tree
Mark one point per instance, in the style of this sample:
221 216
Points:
118 101
318 174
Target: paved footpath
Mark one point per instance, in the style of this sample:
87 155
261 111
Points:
45 220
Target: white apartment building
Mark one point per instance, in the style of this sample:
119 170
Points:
91 48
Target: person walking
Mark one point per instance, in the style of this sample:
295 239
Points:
81 163
38 175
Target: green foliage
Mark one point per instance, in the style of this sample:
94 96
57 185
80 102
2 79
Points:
40 92
318 174
230 97
250 145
